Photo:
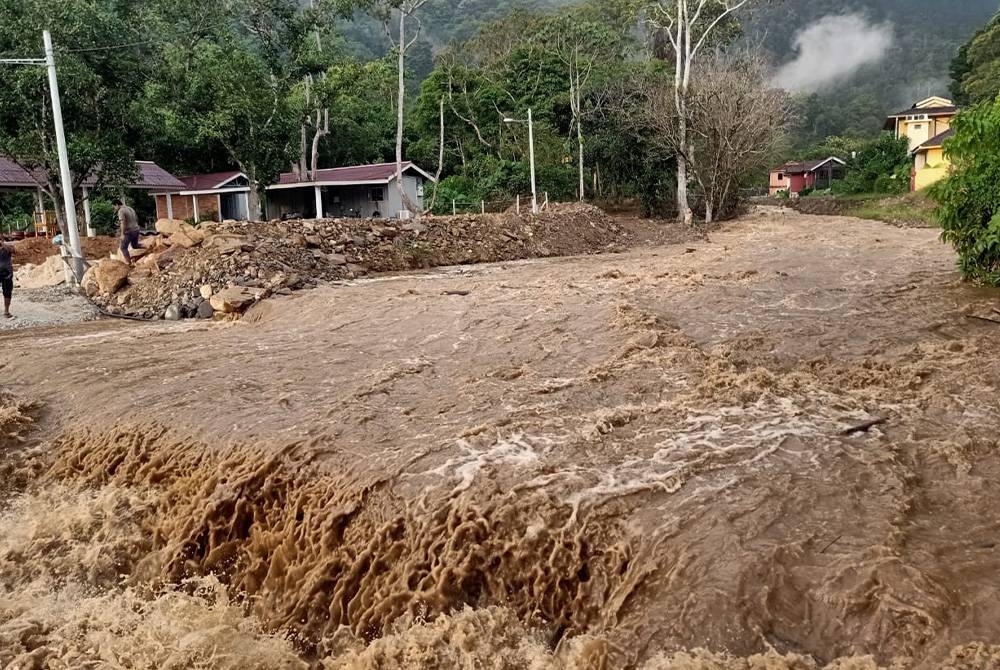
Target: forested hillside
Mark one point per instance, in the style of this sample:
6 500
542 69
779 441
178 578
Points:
925 35
922 35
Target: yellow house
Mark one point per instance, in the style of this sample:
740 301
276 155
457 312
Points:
930 165
927 125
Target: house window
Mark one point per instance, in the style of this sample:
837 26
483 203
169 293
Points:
376 194
918 126
781 176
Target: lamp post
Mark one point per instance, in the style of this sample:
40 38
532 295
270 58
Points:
49 62
531 157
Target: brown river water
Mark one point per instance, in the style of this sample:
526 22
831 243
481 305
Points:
621 461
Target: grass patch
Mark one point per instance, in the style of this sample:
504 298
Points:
909 209
915 209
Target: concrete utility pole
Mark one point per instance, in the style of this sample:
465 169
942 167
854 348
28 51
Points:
75 252
71 248
531 157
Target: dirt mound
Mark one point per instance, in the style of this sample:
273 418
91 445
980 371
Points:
280 256
49 273
35 250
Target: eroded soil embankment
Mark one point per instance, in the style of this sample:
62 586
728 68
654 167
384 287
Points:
628 456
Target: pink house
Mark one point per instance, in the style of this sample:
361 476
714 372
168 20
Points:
796 177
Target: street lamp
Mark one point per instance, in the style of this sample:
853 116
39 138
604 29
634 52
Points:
531 156
49 62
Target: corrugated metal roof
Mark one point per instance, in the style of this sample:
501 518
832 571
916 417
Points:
204 182
377 173
151 176
13 175
807 166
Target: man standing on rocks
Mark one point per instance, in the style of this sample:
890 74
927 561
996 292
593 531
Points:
129 227
6 277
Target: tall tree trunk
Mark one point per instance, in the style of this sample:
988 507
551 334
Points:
253 202
322 130
437 176
302 168
683 208
400 102
574 102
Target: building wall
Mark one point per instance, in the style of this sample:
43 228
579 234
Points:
779 182
345 201
798 182
183 206
930 167
920 131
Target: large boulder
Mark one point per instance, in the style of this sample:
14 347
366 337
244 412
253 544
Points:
169 226
89 284
111 275
235 299
180 233
152 242
205 310
181 238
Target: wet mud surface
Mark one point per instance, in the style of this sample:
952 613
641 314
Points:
602 462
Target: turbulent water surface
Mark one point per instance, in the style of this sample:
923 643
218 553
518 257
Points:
631 461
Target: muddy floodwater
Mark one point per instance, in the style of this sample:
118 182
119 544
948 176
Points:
777 448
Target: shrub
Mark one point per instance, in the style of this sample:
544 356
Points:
102 216
457 188
882 166
806 192
969 199
781 195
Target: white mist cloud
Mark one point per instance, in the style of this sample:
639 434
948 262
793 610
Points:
832 48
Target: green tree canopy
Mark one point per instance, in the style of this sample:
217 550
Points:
969 199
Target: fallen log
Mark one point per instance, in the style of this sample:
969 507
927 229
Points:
982 318
864 426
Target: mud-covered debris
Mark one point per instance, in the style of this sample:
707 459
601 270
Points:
276 255
235 299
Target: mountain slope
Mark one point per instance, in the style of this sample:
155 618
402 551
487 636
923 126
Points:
916 41
924 36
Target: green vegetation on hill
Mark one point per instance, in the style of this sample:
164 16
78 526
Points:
926 37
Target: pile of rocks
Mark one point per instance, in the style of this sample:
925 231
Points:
216 270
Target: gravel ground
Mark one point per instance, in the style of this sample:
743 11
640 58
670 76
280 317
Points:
54 306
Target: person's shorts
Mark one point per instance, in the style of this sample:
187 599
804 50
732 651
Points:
7 283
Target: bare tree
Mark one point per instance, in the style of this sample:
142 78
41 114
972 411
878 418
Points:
688 25
733 120
404 9
736 119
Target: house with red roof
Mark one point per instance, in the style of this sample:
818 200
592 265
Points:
793 178
15 177
207 197
358 191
